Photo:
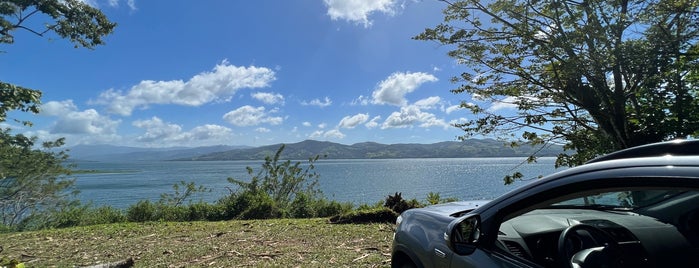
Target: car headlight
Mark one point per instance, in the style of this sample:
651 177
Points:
399 220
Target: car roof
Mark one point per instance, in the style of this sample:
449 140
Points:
674 148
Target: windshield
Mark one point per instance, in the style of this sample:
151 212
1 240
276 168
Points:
620 199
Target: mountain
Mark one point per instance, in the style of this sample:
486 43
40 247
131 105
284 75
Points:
368 150
124 153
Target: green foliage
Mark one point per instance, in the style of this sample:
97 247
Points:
376 215
182 192
70 19
34 192
11 263
596 77
435 198
398 204
32 181
278 189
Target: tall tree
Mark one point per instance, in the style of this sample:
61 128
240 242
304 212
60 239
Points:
32 180
596 75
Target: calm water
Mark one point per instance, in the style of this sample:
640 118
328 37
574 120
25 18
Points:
357 181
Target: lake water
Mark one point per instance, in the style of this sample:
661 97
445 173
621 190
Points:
358 181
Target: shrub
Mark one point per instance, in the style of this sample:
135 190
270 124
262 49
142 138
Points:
142 211
379 215
398 204
279 189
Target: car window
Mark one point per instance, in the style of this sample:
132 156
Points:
620 199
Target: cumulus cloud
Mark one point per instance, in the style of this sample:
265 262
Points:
361 100
262 130
268 98
358 11
353 121
220 83
251 116
410 115
334 134
316 102
161 132
208 132
306 124
395 87
157 130
374 122
73 121
428 103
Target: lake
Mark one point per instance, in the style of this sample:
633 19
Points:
358 181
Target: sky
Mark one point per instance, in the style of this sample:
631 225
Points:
200 73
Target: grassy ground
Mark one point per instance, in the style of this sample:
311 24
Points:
275 243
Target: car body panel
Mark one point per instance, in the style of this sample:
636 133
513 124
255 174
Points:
423 230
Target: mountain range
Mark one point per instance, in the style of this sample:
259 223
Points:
311 148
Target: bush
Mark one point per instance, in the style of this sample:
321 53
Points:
378 215
398 204
142 211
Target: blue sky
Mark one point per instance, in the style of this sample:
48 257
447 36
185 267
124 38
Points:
197 73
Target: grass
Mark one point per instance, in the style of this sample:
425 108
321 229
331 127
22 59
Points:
252 243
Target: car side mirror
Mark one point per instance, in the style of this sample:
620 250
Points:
463 234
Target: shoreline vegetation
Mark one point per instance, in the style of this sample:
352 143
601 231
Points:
277 218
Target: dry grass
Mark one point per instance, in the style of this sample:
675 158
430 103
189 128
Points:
266 243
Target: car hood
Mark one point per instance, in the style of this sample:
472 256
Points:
455 208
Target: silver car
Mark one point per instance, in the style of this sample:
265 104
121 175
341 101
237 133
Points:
634 208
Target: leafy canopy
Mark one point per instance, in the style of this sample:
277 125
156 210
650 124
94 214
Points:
595 75
32 181
83 25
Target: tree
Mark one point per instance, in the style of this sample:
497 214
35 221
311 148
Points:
31 179
595 75
82 24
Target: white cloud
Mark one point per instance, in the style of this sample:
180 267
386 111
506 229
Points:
373 123
268 98
316 102
131 4
428 103
395 87
262 130
251 116
316 134
111 3
353 121
410 115
452 109
306 124
358 11
322 125
72 121
361 100
220 83
159 132
333 134
208 132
